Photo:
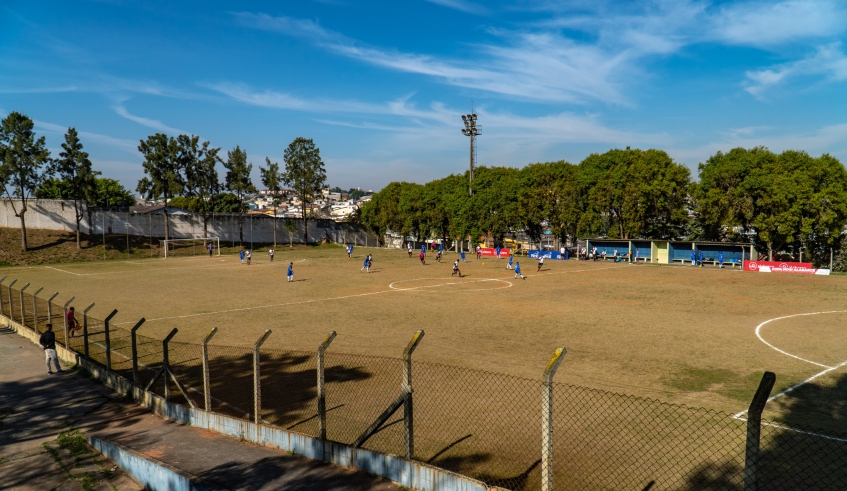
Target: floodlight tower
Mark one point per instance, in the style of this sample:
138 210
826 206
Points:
471 130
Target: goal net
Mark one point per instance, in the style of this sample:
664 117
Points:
190 247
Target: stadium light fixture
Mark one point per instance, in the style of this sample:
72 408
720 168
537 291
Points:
472 131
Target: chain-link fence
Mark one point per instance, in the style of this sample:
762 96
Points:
488 426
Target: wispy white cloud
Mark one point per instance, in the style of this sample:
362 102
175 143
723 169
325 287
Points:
828 61
37 90
85 136
463 6
155 124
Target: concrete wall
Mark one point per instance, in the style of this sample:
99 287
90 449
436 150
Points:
415 475
59 215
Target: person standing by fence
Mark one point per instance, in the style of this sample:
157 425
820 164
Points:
48 342
73 324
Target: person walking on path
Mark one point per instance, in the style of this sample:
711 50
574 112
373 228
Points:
290 273
271 254
249 256
518 271
48 342
241 255
210 247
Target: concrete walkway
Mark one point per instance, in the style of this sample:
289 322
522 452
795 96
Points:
36 407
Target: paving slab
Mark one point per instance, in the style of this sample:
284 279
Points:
36 407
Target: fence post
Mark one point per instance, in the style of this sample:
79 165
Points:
166 362
754 427
207 383
65 320
1 296
85 329
11 303
108 341
23 317
547 419
321 395
50 314
135 351
408 414
257 387
35 308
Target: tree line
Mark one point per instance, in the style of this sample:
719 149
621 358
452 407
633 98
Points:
176 168
779 202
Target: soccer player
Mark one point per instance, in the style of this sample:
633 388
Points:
438 256
720 259
511 260
423 249
271 254
693 258
478 252
249 256
423 258
456 269
349 251
290 273
209 246
497 252
410 249
518 271
540 263
636 257
367 265
701 259
462 255
241 255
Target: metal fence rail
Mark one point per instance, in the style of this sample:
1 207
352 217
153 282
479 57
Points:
509 432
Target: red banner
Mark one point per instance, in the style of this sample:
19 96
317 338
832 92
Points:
487 251
782 267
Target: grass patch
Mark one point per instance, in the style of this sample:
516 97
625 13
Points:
693 379
74 443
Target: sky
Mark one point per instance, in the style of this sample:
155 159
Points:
381 86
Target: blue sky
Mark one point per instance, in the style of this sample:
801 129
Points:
380 86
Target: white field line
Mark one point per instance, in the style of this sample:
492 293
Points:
739 415
330 299
63 271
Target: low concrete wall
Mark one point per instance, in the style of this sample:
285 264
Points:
153 474
415 475
59 215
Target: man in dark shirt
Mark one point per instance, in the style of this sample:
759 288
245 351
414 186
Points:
48 342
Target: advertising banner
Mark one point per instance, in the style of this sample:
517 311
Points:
546 254
783 267
487 251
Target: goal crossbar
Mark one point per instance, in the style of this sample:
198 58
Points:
169 244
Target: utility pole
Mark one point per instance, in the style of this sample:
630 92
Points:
471 130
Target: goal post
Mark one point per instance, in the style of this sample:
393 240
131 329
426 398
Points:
190 247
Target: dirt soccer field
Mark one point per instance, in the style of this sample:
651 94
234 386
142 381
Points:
674 333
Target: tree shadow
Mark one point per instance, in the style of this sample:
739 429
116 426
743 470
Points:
804 447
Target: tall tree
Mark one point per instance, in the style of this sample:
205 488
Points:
238 182
201 176
305 174
24 157
164 178
272 178
74 168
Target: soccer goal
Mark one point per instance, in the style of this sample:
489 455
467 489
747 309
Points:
190 247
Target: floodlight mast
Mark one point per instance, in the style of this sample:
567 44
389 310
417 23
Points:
471 130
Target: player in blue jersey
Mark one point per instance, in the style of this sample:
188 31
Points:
518 271
462 255
720 259
241 255
509 264
290 273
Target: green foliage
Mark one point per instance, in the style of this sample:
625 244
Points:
110 192
185 203
786 200
272 178
304 173
162 168
201 178
53 188
23 160
227 203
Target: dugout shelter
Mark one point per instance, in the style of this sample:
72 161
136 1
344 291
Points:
674 251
